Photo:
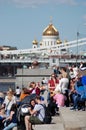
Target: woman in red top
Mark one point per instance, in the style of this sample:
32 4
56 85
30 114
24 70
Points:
34 88
53 82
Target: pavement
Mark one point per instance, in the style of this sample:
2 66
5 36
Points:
67 120
73 120
55 125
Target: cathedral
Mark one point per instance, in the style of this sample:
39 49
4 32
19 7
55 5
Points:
50 37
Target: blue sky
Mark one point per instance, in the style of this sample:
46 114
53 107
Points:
23 20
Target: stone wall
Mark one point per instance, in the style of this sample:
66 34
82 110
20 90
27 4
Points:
25 76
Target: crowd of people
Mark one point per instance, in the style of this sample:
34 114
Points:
65 88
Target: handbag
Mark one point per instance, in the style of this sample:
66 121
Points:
7 106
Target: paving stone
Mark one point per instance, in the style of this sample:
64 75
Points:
73 120
55 125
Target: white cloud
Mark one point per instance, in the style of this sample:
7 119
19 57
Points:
27 3
37 2
70 2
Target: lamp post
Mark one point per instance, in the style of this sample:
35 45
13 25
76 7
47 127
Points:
77 48
22 77
78 34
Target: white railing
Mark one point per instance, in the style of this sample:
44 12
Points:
62 60
44 49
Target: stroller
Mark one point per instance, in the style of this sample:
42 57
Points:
23 110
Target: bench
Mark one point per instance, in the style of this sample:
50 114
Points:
56 124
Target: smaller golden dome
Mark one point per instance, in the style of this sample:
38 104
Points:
65 41
35 42
59 41
50 31
40 43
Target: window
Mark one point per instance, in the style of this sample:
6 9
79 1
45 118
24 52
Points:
54 60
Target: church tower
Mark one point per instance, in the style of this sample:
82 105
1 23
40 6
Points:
50 36
35 43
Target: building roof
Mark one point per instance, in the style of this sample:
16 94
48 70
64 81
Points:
35 42
50 30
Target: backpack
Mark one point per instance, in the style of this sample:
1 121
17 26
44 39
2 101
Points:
22 111
48 118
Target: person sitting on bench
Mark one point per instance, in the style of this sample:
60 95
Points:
37 114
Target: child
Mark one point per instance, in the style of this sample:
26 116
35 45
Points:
60 99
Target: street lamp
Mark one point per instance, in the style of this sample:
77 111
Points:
77 51
77 47
22 77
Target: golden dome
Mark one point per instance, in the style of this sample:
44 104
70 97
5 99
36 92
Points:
40 43
35 42
50 30
59 41
65 41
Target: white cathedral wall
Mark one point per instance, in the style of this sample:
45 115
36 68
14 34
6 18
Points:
49 40
34 46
